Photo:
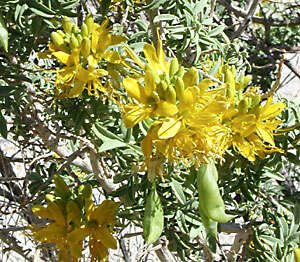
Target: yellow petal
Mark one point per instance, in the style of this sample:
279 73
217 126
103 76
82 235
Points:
112 57
271 111
265 135
165 108
169 129
150 54
146 145
105 212
102 234
135 114
62 56
134 56
133 88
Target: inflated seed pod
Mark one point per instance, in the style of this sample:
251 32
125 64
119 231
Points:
174 66
67 24
57 39
85 47
153 223
210 199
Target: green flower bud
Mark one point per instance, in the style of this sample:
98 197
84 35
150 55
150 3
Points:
190 77
174 66
67 24
179 88
57 39
89 21
170 95
85 47
74 42
243 106
84 30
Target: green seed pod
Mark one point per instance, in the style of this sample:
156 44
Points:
210 200
153 223
84 30
170 95
85 47
57 39
74 42
179 88
190 77
174 66
243 106
67 24
89 21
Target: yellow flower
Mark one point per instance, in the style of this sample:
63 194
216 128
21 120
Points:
83 52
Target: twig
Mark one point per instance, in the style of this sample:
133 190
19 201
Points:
152 13
239 12
294 69
247 19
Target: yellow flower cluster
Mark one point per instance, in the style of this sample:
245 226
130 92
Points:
81 51
195 122
73 219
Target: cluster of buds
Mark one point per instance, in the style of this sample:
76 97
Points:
72 218
83 52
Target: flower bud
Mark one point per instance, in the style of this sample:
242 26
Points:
170 95
179 88
230 84
84 30
85 47
243 106
74 42
67 24
89 21
174 66
57 39
190 77
180 72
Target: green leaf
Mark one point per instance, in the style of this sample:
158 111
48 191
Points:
3 34
7 90
3 126
164 17
153 223
178 191
41 13
154 4
111 144
216 31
